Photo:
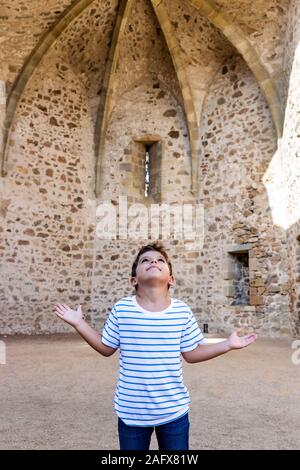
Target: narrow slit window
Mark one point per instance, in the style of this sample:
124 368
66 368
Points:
147 171
241 279
146 167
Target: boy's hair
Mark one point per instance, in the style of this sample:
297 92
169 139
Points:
151 247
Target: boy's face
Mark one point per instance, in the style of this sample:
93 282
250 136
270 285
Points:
152 269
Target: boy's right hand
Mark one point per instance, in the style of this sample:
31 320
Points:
72 317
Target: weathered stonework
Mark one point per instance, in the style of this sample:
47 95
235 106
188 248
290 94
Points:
262 20
247 177
290 157
21 26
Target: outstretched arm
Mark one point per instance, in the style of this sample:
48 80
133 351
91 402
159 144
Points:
91 336
204 352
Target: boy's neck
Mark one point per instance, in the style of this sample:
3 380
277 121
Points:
153 298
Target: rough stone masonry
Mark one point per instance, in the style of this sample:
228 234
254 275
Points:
209 91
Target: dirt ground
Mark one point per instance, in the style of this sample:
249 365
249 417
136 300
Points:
57 393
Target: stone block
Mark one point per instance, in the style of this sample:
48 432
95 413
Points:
229 290
242 248
228 275
257 282
274 289
261 290
254 264
249 308
256 299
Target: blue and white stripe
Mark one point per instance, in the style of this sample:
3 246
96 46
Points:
150 390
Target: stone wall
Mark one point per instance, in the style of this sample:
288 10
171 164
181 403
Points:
148 109
204 44
290 155
265 23
248 180
21 25
46 245
239 142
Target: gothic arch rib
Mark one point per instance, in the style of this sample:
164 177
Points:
46 41
107 103
107 98
188 100
239 40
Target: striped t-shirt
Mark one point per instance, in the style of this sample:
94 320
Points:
150 390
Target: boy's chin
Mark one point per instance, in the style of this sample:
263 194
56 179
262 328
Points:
155 283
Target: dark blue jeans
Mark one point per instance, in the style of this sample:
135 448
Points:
170 436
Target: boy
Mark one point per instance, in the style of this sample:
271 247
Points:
152 330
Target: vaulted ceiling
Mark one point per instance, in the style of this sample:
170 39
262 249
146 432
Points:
96 37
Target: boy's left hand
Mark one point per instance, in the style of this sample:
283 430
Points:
238 342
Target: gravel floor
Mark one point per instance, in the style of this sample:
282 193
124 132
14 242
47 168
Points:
57 393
